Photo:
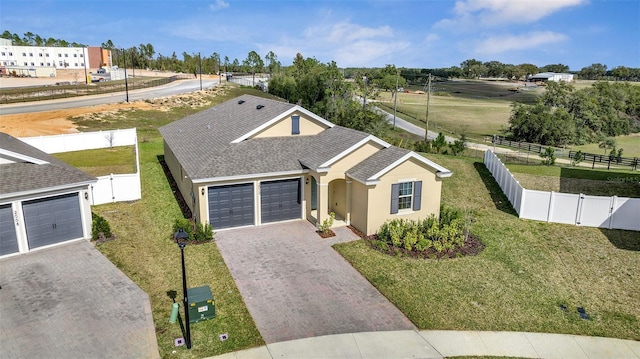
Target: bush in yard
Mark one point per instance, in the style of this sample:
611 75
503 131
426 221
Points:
197 232
99 225
432 237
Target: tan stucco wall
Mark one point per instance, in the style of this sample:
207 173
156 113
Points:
308 126
339 167
338 198
184 184
359 205
380 196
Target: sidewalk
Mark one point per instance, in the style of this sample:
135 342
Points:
444 343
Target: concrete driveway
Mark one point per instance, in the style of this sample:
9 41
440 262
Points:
69 301
296 286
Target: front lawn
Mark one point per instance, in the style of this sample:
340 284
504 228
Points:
527 270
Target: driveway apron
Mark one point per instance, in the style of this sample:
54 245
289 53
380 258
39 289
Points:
296 286
69 301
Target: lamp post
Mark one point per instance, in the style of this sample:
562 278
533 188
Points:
180 237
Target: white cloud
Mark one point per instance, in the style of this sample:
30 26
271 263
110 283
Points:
218 5
346 43
470 14
533 40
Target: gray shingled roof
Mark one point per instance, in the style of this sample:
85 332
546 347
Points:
376 162
24 176
202 143
195 139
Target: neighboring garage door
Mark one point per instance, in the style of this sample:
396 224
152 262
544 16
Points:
52 220
8 240
280 200
231 206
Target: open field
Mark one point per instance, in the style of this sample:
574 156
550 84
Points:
630 144
527 270
477 108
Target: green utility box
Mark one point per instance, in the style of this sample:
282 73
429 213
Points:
201 304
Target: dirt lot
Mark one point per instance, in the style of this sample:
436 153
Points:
57 122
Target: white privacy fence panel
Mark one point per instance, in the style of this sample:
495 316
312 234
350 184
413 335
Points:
579 209
116 188
511 188
83 140
626 213
111 188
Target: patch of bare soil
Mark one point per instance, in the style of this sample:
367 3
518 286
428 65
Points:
58 122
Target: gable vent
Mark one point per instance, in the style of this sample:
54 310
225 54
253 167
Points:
240 102
259 107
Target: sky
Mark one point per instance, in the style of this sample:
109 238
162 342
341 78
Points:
404 33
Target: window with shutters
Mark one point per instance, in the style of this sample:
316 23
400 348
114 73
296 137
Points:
406 196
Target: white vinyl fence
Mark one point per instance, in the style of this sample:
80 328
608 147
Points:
579 209
111 188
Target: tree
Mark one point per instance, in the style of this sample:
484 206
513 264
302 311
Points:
439 143
548 156
555 68
620 73
607 143
577 158
458 146
495 68
473 68
253 62
272 62
527 69
593 72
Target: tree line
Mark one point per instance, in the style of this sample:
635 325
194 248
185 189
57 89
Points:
144 56
564 115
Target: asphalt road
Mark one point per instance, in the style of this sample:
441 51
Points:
173 88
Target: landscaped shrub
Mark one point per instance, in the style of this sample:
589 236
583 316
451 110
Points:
326 225
99 225
438 237
197 232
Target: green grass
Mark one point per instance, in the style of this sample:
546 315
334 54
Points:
477 108
577 180
526 271
145 252
117 160
630 145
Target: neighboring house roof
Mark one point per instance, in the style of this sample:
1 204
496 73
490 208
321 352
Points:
216 144
26 169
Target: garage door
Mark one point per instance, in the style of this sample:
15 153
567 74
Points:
231 206
280 200
52 220
8 240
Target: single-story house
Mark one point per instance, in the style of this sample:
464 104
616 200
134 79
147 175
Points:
551 76
43 201
251 161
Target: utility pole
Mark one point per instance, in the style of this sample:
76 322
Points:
364 102
126 83
395 100
200 60
426 131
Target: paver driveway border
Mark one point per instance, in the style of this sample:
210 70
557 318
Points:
296 286
69 301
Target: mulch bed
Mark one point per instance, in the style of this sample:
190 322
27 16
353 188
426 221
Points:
472 246
327 234
186 212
